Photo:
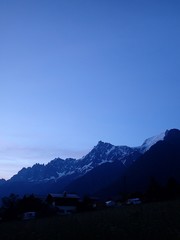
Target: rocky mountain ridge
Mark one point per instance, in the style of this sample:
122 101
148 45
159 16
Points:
98 169
100 154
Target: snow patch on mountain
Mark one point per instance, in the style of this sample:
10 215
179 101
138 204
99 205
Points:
102 153
61 174
110 150
148 143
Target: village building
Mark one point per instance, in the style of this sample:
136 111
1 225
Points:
66 203
29 215
133 201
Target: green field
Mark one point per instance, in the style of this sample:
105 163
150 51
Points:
152 221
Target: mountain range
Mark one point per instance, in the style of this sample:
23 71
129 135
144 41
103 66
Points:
104 170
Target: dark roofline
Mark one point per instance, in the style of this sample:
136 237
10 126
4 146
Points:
63 195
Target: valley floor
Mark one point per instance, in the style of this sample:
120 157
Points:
152 221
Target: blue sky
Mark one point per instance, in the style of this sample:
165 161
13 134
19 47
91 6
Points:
76 72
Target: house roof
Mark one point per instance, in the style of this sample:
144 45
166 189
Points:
64 195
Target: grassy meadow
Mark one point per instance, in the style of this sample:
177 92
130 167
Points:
150 221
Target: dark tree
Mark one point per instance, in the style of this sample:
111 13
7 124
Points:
172 189
155 191
10 207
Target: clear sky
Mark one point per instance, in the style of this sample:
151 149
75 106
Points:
73 72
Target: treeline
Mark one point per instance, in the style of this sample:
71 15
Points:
13 207
158 192
170 191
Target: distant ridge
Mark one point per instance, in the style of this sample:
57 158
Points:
104 165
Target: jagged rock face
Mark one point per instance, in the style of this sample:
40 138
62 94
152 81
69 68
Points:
59 168
102 165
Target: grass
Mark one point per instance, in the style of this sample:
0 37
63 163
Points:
152 221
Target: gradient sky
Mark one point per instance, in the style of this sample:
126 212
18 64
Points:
73 72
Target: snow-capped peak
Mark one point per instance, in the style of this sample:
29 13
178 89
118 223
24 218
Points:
151 141
70 168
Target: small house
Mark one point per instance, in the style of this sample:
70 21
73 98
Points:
29 215
133 201
110 203
66 203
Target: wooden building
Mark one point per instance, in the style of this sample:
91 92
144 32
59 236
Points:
66 203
